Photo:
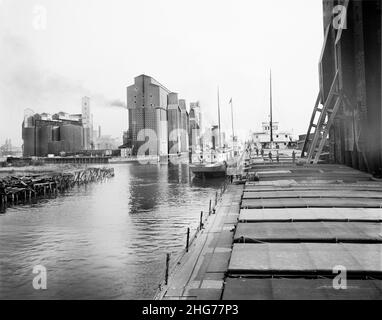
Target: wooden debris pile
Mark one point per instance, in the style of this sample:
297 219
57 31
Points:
15 189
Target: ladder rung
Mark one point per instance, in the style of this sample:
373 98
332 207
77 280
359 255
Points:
329 110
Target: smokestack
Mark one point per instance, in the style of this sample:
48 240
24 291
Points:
99 131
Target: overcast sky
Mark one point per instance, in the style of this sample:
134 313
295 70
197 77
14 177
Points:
54 51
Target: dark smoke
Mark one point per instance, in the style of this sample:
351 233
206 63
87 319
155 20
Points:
118 103
25 83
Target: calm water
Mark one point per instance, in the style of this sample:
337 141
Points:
105 240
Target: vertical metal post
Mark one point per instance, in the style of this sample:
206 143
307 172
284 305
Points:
210 207
188 239
167 267
201 221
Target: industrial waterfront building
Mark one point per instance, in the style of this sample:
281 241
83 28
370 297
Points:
53 136
195 135
87 123
184 125
158 119
147 102
45 134
174 124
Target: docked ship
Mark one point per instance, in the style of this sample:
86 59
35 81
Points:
213 163
210 170
270 137
210 164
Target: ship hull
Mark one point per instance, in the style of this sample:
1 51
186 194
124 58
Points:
209 171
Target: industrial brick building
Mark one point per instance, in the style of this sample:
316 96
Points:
154 113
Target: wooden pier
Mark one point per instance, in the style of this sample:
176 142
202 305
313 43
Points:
77 160
23 189
287 236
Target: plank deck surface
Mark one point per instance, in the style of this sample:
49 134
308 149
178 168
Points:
313 194
282 237
303 258
300 289
309 231
311 203
310 214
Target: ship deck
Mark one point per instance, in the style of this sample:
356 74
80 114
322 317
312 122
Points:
287 235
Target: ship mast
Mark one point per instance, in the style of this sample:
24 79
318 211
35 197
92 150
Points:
219 118
233 131
271 112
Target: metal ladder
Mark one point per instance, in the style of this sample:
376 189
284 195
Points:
325 112
326 115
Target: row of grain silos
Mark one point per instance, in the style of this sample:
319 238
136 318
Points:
46 138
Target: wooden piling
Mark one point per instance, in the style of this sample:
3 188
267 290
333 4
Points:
21 188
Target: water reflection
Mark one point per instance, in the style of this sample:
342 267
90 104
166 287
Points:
105 240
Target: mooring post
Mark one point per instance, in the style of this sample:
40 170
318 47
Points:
188 239
201 221
167 267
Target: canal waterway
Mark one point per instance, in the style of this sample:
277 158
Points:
104 240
